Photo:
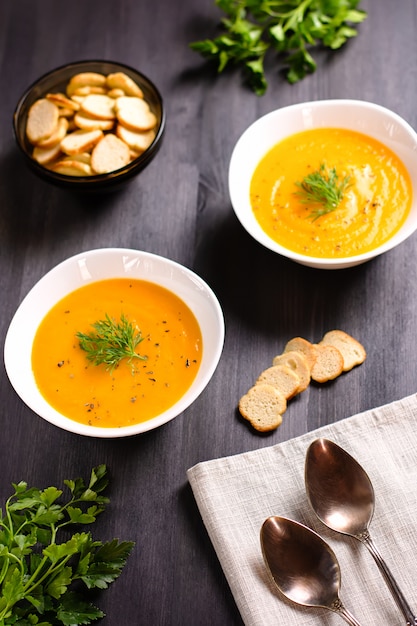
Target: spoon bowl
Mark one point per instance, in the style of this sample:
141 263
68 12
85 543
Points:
341 494
338 488
303 566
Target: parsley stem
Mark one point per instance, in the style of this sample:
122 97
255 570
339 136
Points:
29 587
296 14
5 567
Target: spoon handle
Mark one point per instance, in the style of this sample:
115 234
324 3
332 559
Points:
396 592
347 616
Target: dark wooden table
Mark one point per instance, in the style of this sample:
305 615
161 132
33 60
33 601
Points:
179 207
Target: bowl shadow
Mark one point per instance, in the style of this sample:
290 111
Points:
263 289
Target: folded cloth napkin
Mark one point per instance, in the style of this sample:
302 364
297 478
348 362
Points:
236 494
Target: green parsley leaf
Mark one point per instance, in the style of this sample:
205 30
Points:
59 585
38 572
290 28
75 610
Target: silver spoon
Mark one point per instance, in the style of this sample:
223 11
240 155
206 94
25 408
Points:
304 567
342 497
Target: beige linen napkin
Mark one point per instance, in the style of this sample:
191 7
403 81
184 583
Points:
237 493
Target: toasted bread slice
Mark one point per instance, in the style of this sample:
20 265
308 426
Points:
134 113
87 122
298 363
85 79
88 90
353 352
99 106
263 406
137 141
328 364
56 137
120 80
42 120
44 156
62 101
83 157
80 141
66 112
78 99
71 167
282 378
110 153
134 154
116 93
299 344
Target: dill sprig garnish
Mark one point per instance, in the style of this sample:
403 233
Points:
322 188
111 342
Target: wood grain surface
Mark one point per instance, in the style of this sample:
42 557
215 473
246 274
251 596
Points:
179 207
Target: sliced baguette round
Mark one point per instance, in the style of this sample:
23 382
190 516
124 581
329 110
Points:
299 344
328 364
297 362
56 137
44 156
120 80
134 154
62 101
78 99
134 113
137 141
99 106
89 89
71 167
116 93
282 378
42 120
352 351
85 79
66 112
87 122
80 141
110 154
263 406
83 157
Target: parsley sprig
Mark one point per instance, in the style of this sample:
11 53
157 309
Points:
322 190
290 27
111 342
43 581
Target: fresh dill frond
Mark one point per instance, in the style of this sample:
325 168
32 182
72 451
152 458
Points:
111 342
323 190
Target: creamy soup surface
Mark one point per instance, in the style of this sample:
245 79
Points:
374 206
133 392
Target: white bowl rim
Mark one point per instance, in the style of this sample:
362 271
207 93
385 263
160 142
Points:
17 368
255 230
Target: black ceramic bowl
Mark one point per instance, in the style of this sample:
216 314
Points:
56 81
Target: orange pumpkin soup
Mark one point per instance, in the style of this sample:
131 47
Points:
375 203
130 393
